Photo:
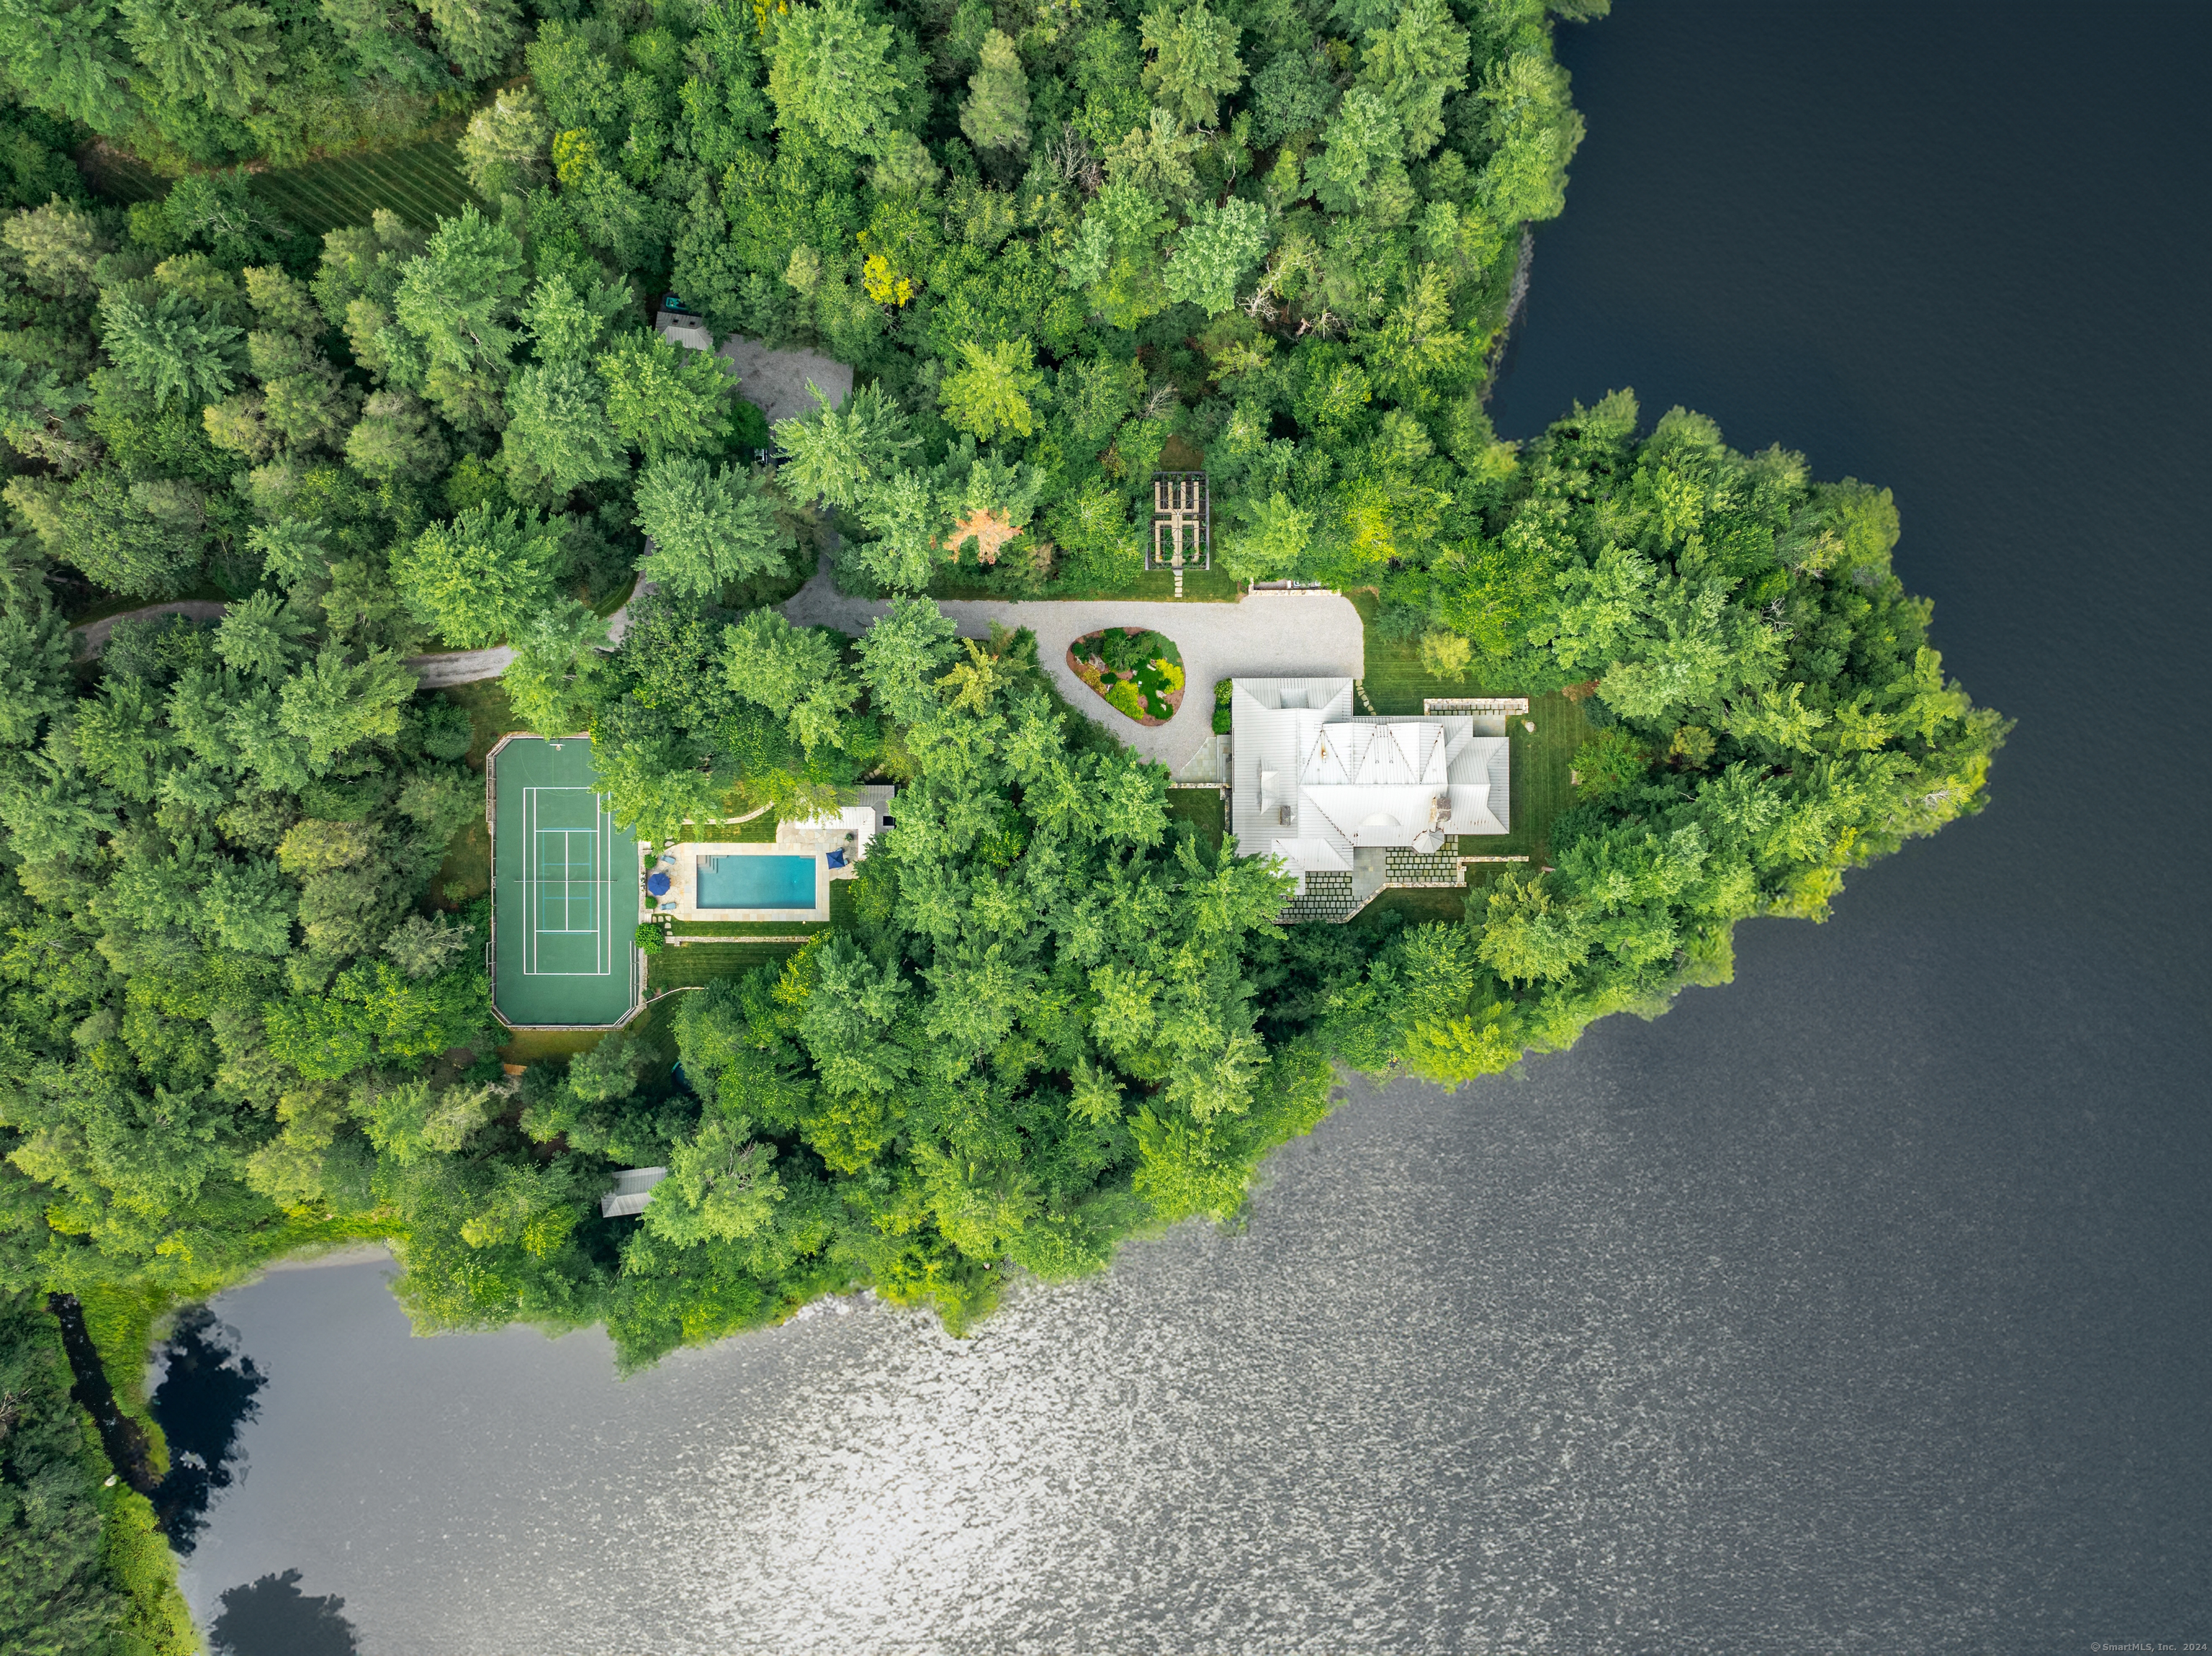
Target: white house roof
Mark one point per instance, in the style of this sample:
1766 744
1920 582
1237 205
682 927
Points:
1311 781
690 331
632 1189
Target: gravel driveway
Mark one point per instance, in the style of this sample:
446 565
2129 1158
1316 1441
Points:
1261 635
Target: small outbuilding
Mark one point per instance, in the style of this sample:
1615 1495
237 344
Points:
632 1189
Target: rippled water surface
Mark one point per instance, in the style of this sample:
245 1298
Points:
1862 1305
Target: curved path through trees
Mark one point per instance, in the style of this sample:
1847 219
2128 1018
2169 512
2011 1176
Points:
95 634
1261 635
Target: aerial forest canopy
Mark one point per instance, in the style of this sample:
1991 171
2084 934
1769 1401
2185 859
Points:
243 1001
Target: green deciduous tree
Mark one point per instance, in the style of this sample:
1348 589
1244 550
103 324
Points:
664 399
1534 132
481 577
67 57
558 436
58 247
833 70
1193 63
990 392
1362 141
334 703
508 144
207 51
558 675
996 115
1213 253
171 349
477 35
1415 63
709 527
457 298
840 454
395 438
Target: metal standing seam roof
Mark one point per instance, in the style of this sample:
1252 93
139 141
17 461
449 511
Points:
1312 781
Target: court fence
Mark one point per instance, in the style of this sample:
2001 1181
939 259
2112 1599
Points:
491 950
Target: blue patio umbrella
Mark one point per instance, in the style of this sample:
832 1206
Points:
657 883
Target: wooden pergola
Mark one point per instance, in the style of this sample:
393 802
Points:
1183 522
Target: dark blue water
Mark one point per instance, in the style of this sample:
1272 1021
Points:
1958 250
1860 1305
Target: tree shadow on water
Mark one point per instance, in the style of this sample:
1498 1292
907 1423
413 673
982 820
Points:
273 1618
207 1395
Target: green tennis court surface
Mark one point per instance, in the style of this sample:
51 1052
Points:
564 889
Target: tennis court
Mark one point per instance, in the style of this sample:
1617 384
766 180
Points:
564 890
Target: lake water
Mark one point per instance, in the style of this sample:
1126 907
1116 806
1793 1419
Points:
1862 1305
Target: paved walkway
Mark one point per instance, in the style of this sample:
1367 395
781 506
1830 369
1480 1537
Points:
1261 635
450 667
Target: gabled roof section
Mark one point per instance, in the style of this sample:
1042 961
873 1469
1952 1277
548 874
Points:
1311 781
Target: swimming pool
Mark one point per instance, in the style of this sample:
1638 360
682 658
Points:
755 882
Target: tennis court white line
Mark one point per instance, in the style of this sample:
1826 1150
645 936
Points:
600 885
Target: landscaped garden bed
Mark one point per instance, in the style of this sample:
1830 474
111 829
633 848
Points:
1138 672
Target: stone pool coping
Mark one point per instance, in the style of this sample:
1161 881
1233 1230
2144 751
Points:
850 830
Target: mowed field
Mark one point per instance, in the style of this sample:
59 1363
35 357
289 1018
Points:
421 183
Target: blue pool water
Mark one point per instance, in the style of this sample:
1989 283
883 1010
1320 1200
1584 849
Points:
755 883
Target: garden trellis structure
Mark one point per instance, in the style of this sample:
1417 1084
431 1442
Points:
564 890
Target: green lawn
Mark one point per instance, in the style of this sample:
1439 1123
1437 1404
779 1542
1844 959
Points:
421 183
702 963
1397 683
491 717
117 177
467 866
1204 809
537 1045
753 831
468 858
1417 905
1153 586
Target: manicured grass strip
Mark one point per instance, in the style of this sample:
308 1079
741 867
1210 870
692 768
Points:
753 831
703 963
1202 809
117 177
537 1045
491 714
1152 586
467 866
747 928
1421 906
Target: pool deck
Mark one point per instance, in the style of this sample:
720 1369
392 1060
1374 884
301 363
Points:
850 831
